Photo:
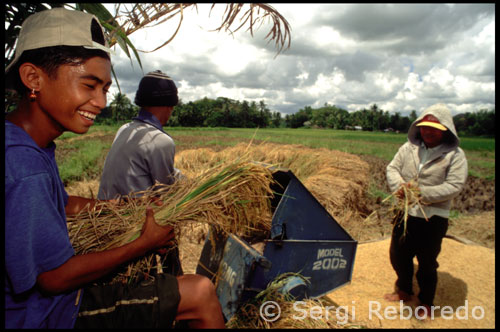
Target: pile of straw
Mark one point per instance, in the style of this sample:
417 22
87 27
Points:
337 179
234 197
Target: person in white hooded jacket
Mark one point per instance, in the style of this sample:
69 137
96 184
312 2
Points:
432 160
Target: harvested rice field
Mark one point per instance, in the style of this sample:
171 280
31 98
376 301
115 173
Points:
341 182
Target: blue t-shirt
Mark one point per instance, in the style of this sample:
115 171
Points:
36 234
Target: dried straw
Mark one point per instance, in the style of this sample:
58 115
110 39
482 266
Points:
234 197
400 202
337 179
249 315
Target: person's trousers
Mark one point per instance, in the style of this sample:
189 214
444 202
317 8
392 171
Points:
145 305
423 239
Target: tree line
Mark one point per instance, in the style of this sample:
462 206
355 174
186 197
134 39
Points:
226 112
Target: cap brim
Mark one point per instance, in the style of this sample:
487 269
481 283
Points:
432 124
97 46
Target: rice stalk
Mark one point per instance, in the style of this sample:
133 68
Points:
233 197
401 201
249 316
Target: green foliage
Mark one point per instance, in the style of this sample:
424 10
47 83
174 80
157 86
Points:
229 113
333 117
224 112
120 109
481 123
81 160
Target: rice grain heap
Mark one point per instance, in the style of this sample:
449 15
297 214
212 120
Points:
232 196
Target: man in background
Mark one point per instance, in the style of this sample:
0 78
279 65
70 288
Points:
142 153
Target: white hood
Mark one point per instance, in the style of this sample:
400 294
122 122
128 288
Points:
443 114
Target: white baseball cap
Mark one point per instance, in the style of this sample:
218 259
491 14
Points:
57 27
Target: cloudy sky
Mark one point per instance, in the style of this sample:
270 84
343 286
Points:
401 57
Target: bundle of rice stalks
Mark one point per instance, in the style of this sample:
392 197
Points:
400 202
233 197
290 314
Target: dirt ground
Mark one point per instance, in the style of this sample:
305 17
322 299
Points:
466 285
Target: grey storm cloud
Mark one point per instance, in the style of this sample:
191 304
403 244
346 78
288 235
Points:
405 28
405 56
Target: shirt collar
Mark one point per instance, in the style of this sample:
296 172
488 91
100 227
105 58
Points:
149 118
422 145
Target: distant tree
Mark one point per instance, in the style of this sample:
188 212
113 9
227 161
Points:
413 116
319 117
265 116
215 119
375 114
480 123
405 124
276 120
189 115
255 118
363 118
385 120
341 118
297 120
396 121
122 108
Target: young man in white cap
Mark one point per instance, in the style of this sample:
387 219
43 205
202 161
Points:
62 72
432 161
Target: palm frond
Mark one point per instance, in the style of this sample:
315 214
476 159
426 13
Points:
149 15
280 31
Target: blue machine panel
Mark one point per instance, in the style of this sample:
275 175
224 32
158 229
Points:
236 268
326 264
304 239
300 215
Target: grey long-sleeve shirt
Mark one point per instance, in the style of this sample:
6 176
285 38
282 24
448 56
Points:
141 154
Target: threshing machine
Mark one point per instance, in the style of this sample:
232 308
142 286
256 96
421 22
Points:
304 239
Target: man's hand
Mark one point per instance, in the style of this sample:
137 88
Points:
156 200
154 235
403 188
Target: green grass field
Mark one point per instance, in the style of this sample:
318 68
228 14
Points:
82 157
